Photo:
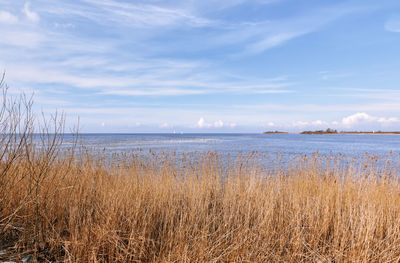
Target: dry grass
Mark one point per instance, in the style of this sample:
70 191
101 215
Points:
56 206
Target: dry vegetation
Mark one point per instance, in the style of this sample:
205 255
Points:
66 205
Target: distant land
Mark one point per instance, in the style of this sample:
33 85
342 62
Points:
275 132
332 131
327 131
371 132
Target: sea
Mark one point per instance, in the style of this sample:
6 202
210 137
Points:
234 144
272 151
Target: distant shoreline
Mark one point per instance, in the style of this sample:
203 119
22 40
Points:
275 132
367 133
335 133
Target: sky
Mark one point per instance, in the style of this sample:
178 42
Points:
206 65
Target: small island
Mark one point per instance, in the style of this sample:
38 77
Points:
275 132
327 131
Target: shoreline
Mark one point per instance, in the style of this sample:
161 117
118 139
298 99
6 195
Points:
338 133
353 133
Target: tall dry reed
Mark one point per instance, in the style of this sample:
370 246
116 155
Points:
56 205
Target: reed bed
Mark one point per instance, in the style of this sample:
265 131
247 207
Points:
196 209
68 205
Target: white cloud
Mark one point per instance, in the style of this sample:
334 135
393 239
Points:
361 118
358 121
8 18
271 124
393 25
202 123
32 16
357 118
218 124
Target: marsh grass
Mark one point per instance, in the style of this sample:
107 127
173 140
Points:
71 205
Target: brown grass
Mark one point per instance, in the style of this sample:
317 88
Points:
60 206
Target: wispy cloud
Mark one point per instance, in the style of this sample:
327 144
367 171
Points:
139 15
153 92
31 15
176 80
150 61
261 36
271 41
218 5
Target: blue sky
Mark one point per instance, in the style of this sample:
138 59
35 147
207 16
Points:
207 66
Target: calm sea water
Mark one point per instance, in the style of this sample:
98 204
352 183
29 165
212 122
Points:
234 144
